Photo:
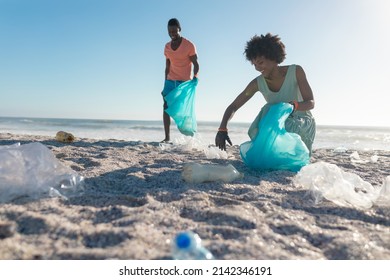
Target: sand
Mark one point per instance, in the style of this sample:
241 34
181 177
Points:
135 201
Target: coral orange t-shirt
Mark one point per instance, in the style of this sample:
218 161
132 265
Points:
181 65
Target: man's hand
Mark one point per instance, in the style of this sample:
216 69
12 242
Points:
221 138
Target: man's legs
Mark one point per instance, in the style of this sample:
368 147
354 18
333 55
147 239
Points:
167 124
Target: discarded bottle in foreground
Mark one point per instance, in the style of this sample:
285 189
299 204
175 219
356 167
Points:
188 246
199 173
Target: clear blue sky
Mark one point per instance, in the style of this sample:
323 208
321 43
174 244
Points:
104 59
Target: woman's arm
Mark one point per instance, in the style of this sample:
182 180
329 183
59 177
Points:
240 100
222 135
307 94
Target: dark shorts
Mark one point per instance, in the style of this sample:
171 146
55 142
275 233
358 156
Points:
169 85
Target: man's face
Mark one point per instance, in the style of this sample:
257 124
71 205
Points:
174 32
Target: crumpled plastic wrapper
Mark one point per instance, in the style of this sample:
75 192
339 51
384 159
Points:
326 180
32 170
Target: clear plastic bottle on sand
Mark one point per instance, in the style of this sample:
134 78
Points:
188 246
198 173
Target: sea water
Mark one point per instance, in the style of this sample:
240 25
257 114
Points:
332 137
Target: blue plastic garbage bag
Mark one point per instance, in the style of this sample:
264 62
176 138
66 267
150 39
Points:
273 148
181 106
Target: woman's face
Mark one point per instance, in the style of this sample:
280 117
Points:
264 65
174 32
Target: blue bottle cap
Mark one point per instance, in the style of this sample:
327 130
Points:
183 240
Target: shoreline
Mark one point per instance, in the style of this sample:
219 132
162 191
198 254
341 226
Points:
135 200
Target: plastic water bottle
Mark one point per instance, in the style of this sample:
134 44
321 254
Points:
199 173
188 246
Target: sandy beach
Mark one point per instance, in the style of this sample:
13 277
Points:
135 200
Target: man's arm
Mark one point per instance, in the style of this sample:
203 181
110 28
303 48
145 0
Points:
194 60
167 67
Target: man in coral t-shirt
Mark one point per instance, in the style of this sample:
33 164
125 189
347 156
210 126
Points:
180 55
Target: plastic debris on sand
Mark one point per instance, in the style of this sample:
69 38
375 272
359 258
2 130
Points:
32 170
326 180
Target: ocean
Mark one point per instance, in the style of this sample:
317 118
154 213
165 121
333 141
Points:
333 137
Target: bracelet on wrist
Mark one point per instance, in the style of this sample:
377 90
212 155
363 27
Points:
295 105
223 129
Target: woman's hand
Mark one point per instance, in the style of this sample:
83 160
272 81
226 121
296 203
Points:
221 138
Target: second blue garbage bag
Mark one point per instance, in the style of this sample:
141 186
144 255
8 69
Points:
181 106
271 146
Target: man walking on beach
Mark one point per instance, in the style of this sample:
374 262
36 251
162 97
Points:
180 55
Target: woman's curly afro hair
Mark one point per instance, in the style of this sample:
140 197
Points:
268 46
